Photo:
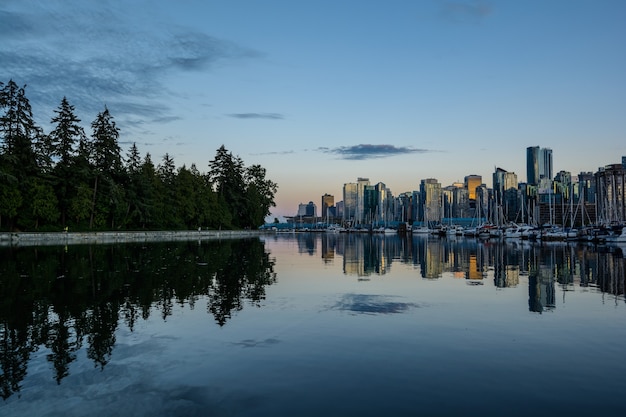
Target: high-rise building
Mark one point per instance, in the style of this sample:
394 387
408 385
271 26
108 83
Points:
471 183
307 210
538 164
349 201
611 194
503 180
360 198
327 202
430 192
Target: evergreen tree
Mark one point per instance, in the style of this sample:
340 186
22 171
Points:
18 130
133 188
167 191
66 134
260 195
106 150
227 177
149 185
107 163
186 190
63 141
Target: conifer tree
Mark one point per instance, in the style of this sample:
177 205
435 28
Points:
226 175
18 130
63 141
108 167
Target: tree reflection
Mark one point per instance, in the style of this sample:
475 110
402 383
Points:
61 298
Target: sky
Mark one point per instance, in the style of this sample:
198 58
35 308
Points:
323 92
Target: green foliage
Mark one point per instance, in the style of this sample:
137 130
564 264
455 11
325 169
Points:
44 204
65 178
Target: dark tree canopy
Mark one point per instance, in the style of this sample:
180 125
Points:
68 179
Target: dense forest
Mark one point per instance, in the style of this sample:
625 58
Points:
66 178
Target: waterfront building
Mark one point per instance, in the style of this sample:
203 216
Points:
482 202
403 207
301 210
538 164
587 187
307 210
327 202
461 203
611 194
370 204
471 182
359 214
415 204
339 209
563 186
506 196
431 200
349 201
384 201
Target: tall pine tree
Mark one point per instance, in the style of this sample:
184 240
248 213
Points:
63 140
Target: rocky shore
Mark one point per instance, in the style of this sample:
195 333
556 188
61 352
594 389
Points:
73 238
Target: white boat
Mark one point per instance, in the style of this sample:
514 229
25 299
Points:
512 232
421 230
617 238
470 232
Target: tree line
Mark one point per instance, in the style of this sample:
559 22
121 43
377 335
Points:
66 178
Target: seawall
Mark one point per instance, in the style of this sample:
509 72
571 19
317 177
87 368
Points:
75 238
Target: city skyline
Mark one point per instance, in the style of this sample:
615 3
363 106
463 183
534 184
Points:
501 180
322 93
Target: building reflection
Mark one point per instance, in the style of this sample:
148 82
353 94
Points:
546 268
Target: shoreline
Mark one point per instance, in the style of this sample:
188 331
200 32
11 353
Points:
76 238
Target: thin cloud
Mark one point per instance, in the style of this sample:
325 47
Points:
364 151
466 11
274 153
270 116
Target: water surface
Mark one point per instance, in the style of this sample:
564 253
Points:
310 325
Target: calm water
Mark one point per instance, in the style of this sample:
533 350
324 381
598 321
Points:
313 325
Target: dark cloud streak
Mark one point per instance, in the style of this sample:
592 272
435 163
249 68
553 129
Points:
270 116
365 151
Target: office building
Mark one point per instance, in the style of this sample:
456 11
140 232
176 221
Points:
538 164
431 195
327 202
470 183
349 201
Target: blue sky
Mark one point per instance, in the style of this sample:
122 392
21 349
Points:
322 92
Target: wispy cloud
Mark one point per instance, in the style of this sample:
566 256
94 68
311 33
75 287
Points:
364 151
270 116
466 11
274 153
97 54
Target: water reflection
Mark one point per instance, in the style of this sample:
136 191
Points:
68 300
65 298
546 266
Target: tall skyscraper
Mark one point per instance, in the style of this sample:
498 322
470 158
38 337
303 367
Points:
349 201
430 192
538 164
471 182
360 199
327 201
